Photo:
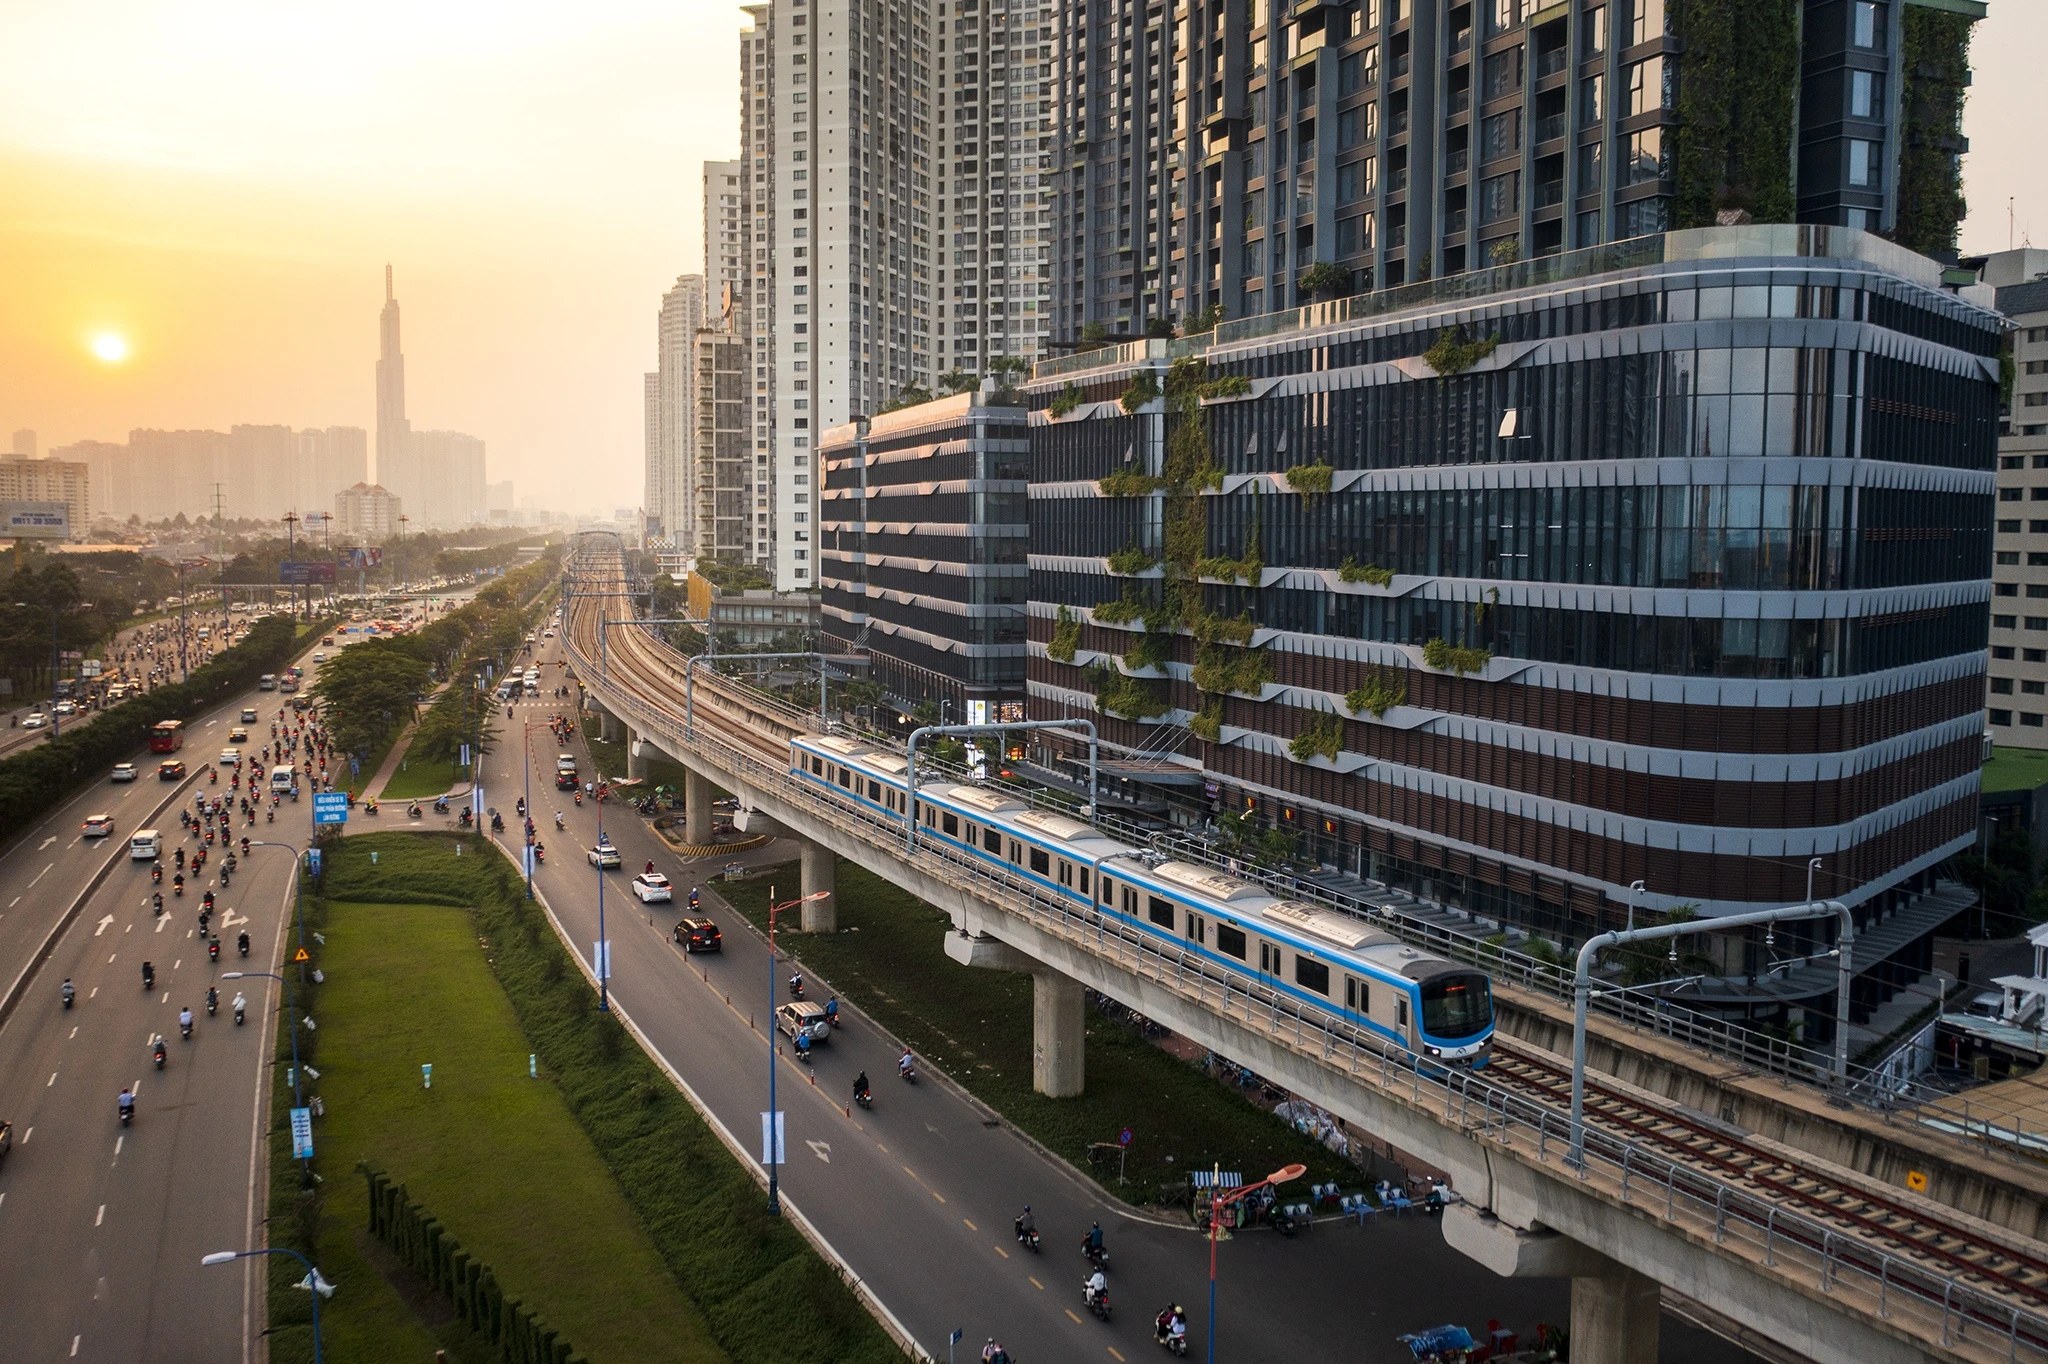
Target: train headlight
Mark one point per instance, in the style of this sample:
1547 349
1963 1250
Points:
1436 1051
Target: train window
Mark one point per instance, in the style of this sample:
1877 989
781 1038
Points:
1401 1011
1066 872
874 790
950 823
1357 995
1311 975
1084 880
1041 862
1158 911
1230 940
1016 852
844 776
1197 930
992 841
1269 957
1130 902
817 767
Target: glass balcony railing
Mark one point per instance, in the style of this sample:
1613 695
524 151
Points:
1454 223
1548 193
1550 126
1458 102
1551 62
1455 162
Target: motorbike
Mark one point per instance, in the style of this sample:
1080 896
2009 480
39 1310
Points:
441 806
1028 1238
127 1112
863 1098
178 887
1097 1302
158 1053
242 943
540 855
156 902
213 949
69 994
497 824
1096 1255
909 1074
413 811
579 797
179 858
796 987
207 902
270 816
1280 1219
240 1007
369 807
156 875
560 823
212 1001
1175 1343
185 1028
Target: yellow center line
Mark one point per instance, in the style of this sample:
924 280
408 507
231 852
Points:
1000 1251
1114 1355
926 1187
970 1225
1041 1288
1070 1312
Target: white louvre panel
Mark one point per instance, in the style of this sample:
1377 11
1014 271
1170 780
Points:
1055 826
988 802
834 744
1204 881
1332 928
886 762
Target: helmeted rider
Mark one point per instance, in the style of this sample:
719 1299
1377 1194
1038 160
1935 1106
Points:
1098 1282
903 1062
1026 1223
860 1084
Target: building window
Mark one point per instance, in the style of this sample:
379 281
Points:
1355 235
2037 622
2001 686
1866 94
1592 170
1643 156
1356 127
1863 173
1500 197
2001 717
2005 589
2003 651
1358 180
2004 622
1592 99
1648 86
1504 73
2030 719
1867 25
1500 135
2007 556
2033 688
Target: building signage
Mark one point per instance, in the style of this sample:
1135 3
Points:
35 520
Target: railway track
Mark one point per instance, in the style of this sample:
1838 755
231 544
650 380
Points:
1868 1213
1867 1223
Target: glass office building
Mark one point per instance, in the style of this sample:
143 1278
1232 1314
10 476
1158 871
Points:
1663 561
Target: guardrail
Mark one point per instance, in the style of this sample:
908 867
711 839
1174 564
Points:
1864 1277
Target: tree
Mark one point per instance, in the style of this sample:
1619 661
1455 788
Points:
1204 321
369 689
1094 336
1325 280
1159 328
958 381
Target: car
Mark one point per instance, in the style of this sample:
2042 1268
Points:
66 708
98 826
802 1018
267 682
565 781
652 886
327 640
604 856
699 935
170 771
248 715
124 772
36 720
319 657
550 635
238 735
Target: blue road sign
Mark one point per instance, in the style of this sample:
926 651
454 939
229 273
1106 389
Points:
330 807
1123 1138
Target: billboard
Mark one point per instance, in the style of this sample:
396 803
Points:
306 571
361 558
35 520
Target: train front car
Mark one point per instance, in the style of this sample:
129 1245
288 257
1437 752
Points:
1454 1022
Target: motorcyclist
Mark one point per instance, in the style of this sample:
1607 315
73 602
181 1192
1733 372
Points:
148 976
1097 1283
69 992
860 1085
559 825
156 902
803 1045
212 999
796 985
993 1353
127 1101
1026 1223
903 1062
1093 1245
185 1020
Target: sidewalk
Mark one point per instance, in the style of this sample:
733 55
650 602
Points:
389 767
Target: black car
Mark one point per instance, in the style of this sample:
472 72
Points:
698 935
565 781
170 771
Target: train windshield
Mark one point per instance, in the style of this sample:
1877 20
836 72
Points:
1455 1007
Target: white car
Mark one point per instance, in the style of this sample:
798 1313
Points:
319 657
36 720
98 826
66 708
604 856
653 887
124 772
231 757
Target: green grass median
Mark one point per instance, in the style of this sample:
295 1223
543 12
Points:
595 1192
889 959
418 778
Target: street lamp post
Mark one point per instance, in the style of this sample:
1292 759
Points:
773 1147
221 1257
1218 1200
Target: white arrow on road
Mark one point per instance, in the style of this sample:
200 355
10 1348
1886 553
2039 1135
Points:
104 922
822 1150
46 842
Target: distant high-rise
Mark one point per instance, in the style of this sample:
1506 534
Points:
724 248
671 471
25 441
393 431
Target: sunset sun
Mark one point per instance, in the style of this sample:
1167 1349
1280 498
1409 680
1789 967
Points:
110 347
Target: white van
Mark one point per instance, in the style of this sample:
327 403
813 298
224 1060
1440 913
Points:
281 780
146 846
267 682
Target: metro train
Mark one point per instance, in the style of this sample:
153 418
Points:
1426 1004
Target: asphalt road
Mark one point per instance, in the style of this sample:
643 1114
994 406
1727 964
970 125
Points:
918 1194
101 1229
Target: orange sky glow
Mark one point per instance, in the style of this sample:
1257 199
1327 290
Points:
219 184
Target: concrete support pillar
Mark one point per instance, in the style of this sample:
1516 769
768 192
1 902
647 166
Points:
696 808
820 872
1615 1314
1059 1023
609 728
637 755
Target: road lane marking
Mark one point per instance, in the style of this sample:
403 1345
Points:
161 921
1114 1355
1070 1313
106 922
117 1143
15 901
46 842
40 875
51 1081
74 1033
970 1225
1039 1286
110 958
1000 1251
95 990
102 1215
26 1135
74 1346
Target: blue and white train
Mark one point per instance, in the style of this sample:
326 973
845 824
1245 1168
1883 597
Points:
1424 1003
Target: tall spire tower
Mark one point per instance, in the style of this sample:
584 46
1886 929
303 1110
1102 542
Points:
394 432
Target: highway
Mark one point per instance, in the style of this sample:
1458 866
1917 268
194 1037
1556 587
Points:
101 1229
918 1194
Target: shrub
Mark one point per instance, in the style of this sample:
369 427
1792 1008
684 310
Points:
1150 650
1453 658
1130 561
1130 483
1208 724
1324 735
1377 697
1227 386
1066 635
1131 698
1066 400
1219 669
1311 480
1122 611
1144 387
1453 354
1325 279
1351 571
1211 629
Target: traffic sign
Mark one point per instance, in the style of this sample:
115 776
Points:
302 1134
1123 1138
313 859
300 955
329 807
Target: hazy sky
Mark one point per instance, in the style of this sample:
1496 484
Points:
221 181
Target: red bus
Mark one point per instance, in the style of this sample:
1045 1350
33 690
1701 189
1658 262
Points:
168 736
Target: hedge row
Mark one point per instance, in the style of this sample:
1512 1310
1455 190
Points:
420 1241
768 1297
35 779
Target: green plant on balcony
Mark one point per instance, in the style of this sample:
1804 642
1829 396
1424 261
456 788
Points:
1066 636
1208 723
1066 400
1132 698
1455 658
1130 561
1214 629
1144 387
1122 611
1130 483
1204 320
1149 650
1220 669
1376 697
1454 354
1323 736
1311 480
1484 606
1351 571
1324 280
1227 386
